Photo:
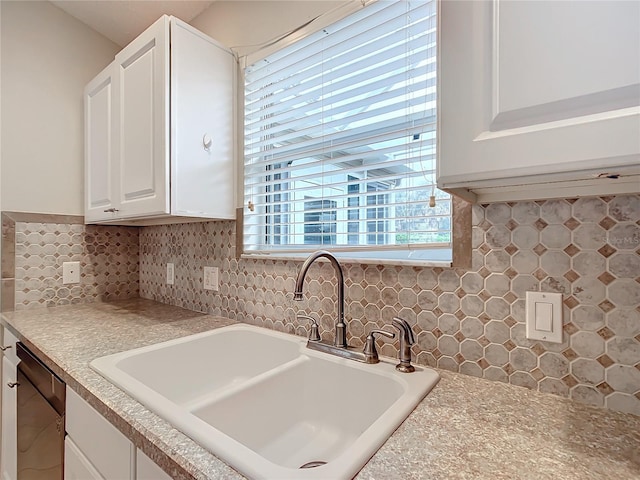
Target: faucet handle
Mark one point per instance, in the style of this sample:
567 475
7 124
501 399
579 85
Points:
314 334
370 352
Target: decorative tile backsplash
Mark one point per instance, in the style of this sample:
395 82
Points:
471 321
40 244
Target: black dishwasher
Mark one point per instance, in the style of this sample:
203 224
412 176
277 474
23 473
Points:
40 418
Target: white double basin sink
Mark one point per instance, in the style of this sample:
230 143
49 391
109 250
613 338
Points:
268 406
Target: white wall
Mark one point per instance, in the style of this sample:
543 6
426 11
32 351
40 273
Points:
0 133
47 57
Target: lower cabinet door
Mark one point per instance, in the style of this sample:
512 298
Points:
146 469
76 465
108 450
8 455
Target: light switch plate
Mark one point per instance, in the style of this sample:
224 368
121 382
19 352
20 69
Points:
70 272
544 316
170 274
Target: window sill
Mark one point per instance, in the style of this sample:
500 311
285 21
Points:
348 258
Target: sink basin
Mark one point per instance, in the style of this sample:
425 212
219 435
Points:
187 368
267 405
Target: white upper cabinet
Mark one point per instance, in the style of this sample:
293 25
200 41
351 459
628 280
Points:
539 99
159 128
142 92
100 192
203 99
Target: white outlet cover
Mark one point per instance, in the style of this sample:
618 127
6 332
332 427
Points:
211 278
70 272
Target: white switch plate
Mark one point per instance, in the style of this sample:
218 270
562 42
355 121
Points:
70 272
211 278
170 274
544 316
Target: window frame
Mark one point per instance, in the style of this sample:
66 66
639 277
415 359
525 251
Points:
460 245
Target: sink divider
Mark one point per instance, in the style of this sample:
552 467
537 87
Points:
224 392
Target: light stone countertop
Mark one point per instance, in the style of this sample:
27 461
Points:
466 428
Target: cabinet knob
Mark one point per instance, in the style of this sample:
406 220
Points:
13 384
111 210
206 141
5 348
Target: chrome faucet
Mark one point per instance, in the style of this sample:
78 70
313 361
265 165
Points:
341 327
340 347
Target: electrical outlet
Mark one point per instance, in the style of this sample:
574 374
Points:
70 272
170 274
211 278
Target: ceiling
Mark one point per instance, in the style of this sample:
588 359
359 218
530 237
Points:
123 20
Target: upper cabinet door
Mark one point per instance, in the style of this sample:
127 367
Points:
142 91
202 125
533 92
99 117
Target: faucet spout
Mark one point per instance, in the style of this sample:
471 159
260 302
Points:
341 327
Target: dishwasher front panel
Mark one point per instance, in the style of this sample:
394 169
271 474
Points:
40 429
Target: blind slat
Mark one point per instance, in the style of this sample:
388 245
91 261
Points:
296 203
424 166
356 96
348 33
361 59
388 130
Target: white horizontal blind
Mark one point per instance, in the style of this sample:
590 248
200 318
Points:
340 137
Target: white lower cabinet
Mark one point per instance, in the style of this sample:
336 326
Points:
95 449
76 465
97 445
9 406
146 469
8 453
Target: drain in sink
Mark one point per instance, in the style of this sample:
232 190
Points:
317 463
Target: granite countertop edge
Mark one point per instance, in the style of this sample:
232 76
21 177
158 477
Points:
465 428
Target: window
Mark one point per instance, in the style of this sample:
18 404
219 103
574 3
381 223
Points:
340 139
